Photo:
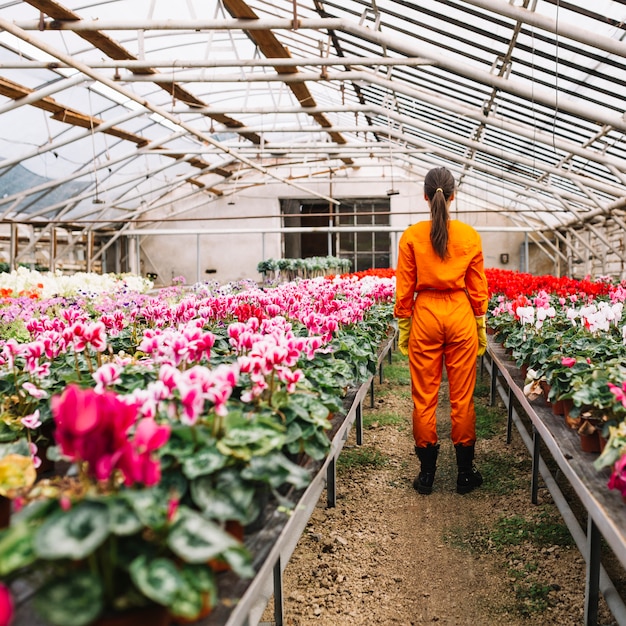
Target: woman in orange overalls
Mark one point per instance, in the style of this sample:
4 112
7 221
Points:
441 300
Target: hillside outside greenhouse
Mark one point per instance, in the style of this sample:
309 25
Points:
312 312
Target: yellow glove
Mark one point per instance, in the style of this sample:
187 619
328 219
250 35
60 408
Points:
404 330
482 334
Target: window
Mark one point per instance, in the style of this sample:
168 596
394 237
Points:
367 249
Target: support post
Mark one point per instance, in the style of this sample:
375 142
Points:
592 584
278 594
534 487
331 483
509 423
358 424
494 383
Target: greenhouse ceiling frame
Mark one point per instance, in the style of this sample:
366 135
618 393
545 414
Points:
559 174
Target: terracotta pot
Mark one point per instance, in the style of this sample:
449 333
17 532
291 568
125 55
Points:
545 389
590 443
5 511
524 370
236 530
558 408
145 616
572 422
204 611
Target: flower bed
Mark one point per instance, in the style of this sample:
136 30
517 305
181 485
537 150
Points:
179 413
571 337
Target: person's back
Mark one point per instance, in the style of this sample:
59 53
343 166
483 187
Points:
441 300
464 246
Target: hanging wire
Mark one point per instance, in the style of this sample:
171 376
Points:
556 74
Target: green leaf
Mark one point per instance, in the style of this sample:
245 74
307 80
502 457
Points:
200 576
75 600
196 539
149 506
276 470
123 519
16 548
226 497
187 604
240 561
206 461
158 579
15 447
73 534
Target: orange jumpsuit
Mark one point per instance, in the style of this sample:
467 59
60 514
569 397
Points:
442 298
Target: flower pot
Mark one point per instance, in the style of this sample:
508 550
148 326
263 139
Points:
5 511
236 530
524 370
590 443
545 390
143 616
558 407
572 422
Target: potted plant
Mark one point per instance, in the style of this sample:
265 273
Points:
115 537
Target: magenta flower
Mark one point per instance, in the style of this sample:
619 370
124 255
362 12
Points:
138 463
568 361
618 477
6 606
92 427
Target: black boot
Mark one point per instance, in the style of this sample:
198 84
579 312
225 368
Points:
428 464
469 477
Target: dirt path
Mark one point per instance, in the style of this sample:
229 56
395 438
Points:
387 555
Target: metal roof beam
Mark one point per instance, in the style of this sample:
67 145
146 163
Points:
528 132
134 65
562 28
582 35
532 93
85 69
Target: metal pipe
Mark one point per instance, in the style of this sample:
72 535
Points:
137 64
130 232
412 48
593 39
44 92
85 69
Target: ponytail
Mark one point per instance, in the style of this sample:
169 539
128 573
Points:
438 187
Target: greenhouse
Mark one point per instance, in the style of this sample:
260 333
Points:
209 312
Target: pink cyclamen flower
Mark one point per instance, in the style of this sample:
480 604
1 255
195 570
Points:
92 427
618 477
172 508
33 453
568 361
6 605
34 391
107 375
138 463
32 421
